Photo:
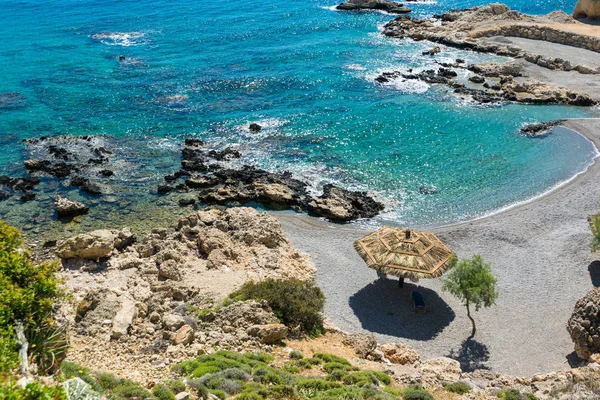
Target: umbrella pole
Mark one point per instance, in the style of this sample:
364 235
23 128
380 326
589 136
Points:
401 283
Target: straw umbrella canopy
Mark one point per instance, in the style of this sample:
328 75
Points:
405 253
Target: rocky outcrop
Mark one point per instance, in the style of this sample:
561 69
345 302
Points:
18 187
540 129
587 9
269 333
465 29
398 353
95 245
584 325
69 208
363 344
206 172
506 89
383 5
343 205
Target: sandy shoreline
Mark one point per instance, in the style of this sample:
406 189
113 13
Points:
538 250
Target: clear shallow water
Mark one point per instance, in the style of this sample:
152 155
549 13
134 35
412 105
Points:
298 67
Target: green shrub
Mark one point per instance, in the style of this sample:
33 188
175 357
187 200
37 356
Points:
77 389
416 394
202 392
28 291
250 396
295 302
175 385
514 394
33 391
128 389
458 387
221 361
162 392
337 374
296 355
317 384
328 358
72 370
107 381
219 393
331 366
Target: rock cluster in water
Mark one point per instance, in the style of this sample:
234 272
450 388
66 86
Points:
216 184
502 85
384 5
85 160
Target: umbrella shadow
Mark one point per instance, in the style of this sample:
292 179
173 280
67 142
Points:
471 355
382 307
594 270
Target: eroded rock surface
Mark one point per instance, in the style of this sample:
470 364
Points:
584 324
384 5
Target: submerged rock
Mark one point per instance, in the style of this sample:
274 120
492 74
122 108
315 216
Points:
540 129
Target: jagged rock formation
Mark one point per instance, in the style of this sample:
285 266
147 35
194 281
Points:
95 245
584 324
506 88
384 5
203 171
587 9
69 208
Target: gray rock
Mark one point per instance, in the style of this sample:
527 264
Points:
69 208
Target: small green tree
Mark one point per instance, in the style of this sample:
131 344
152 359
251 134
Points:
472 282
594 221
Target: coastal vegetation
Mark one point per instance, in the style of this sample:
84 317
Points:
472 281
296 303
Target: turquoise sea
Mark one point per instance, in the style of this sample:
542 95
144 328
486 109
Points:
303 70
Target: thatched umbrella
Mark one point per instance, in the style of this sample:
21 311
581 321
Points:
405 253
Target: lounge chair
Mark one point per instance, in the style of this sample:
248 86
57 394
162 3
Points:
418 302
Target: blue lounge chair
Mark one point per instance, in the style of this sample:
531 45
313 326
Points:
418 302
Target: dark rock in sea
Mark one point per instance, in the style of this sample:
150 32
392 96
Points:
492 86
5 180
164 189
540 129
254 127
186 202
86 185
106 173
478 79
69 208
12 101
28 196
343 205
4 196
223 155
59 152
25 184
49 244
201 182
190 142
480 96
433 51
428 190
384 5
460 61
447 73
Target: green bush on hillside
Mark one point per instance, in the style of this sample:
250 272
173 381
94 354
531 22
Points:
28 291
458 387
294 302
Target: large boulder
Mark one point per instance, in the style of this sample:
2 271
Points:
96 244
584 324
587 9
269 333
363 344
343 205
398 353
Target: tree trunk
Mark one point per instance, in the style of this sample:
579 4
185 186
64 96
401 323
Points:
472 320
23 347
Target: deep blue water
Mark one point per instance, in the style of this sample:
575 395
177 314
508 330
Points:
298 67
